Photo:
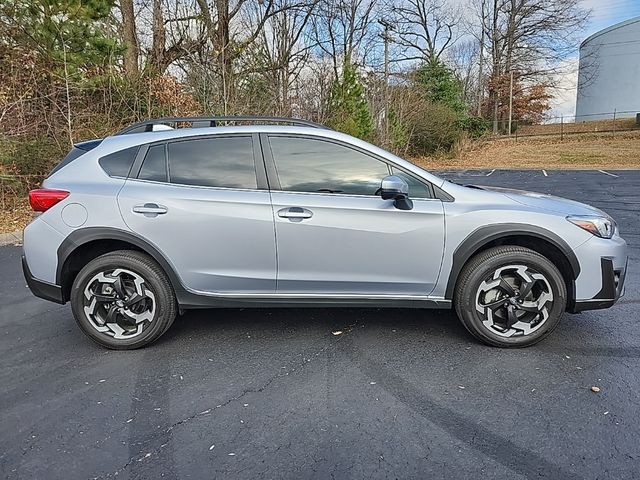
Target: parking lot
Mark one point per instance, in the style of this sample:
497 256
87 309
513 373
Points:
274 393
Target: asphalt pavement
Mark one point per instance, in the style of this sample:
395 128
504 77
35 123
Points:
274 393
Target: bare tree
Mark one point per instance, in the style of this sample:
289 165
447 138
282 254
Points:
424 28
284 51
229 41
531 37
463 59
343 29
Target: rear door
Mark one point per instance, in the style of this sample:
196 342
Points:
335 235
204 204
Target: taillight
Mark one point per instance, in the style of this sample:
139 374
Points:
43 199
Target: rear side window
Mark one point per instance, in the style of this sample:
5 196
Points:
154 166
213 162
119 163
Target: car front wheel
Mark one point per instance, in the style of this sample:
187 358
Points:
123 300
510 296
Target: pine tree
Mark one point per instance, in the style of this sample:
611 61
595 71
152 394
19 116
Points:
73 33
349 108
439 85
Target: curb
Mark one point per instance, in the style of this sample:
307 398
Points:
11 238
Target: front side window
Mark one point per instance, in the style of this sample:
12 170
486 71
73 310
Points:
417 189
213 162
310 165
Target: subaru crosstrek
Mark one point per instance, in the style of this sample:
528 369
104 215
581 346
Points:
142 225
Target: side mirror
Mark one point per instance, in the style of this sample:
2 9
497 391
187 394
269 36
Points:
396 189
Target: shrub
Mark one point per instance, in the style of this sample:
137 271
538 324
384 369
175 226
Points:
437 128
29 157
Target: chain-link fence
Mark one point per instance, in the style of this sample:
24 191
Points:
604 124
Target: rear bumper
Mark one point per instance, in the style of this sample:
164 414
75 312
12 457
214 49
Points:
39 288
612 288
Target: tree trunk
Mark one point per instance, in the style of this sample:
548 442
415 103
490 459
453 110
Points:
130 38
159 39
222 49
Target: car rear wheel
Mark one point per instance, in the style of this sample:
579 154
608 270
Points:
510 296
123 300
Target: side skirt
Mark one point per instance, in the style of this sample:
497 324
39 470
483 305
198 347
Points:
189 300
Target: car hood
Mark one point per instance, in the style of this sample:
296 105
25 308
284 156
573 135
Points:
545 202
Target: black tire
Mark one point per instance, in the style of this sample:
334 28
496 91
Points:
473 293
134 272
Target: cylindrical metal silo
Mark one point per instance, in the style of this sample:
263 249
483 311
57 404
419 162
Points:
609 75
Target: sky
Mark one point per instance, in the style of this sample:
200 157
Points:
604 14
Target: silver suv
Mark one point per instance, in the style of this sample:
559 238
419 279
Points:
142 225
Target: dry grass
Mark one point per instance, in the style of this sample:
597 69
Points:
16 216
601 152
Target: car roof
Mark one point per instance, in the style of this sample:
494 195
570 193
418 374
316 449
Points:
133 139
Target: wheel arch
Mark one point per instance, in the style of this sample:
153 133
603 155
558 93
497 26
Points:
86 244
536 238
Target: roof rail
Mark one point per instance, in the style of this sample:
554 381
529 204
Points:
197 122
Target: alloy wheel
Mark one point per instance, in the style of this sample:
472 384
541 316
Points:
118 303
514 300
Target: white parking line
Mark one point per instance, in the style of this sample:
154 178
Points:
607 173
491 172
544 172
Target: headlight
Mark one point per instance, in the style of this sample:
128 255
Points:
602 227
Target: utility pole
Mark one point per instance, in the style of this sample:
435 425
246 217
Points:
479 112
386 37
510 101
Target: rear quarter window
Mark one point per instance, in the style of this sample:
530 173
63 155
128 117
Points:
118 164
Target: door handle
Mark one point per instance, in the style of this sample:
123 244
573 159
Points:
295 214
150 209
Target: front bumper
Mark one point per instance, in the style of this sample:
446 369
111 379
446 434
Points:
39 288
612 288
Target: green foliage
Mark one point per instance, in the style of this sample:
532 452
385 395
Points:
438 84
443 118
33 157
436 129
71 32
398 134
476 127
349 108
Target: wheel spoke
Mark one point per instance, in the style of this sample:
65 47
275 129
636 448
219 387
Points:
526 288
511 316
504 285
529 308
111 314
135 298
494 305
119 287
101 297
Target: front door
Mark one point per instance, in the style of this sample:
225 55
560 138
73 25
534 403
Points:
336 236
198 201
